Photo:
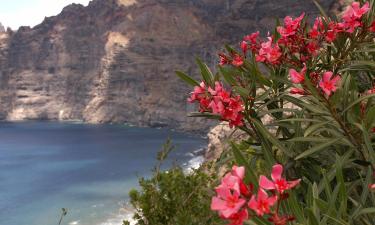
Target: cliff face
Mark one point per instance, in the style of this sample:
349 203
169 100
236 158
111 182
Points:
114 60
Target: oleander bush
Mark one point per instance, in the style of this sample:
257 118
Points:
304 95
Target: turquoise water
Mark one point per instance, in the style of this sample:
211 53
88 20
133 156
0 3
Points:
88 169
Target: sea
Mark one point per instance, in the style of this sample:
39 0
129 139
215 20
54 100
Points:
86 169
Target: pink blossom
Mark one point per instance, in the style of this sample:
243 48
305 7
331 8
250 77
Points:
251 41
238 171
278 183
237 60
317 28
223 59
269 52
354 11
252 38
244 47
233 179
262 204
353 15
296 77
372 186
290 26
222 103
239 218
226 202
297 91
329 84
312 48
198 91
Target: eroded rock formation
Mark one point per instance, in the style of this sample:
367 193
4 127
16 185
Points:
114 60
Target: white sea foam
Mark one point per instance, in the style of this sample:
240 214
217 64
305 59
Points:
123 214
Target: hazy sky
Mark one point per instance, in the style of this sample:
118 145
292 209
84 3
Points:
15 13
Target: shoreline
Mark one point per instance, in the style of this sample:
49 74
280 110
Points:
200 134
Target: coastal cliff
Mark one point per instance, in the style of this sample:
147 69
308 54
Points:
114 60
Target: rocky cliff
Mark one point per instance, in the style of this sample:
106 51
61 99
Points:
114 60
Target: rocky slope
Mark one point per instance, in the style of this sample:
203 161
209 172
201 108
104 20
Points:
114 60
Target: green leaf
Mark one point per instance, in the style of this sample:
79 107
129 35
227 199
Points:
295 207
316 149
243 92
241 161
370 117
187 78
268 136
367 211
359 100
322 11
312 218
206 73
227 75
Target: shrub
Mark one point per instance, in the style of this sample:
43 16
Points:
174 197
305 97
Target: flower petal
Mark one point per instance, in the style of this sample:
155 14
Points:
293 183
262 194
327 76
277 170
272 200
265 183
253 204
239 171
218 204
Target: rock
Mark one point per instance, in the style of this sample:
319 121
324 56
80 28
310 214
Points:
218 140
114 61
2 29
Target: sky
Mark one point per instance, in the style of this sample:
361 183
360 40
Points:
16 13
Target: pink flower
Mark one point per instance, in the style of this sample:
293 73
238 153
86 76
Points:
252 38
223 59
317 28
226 202
198 92
269 52
297 91
251 41
244 47
355 11
329 84
261 205
229 107
233 179
278 183
290 26
238 171
237 60
372 186
296 77
239 218
353 15
312 48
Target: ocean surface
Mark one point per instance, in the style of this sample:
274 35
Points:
88 169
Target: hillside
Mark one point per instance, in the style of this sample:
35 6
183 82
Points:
114 61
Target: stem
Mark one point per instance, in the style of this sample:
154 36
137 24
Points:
346 130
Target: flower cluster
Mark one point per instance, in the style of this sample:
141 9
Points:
219 101
295 42
328 83
234 197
